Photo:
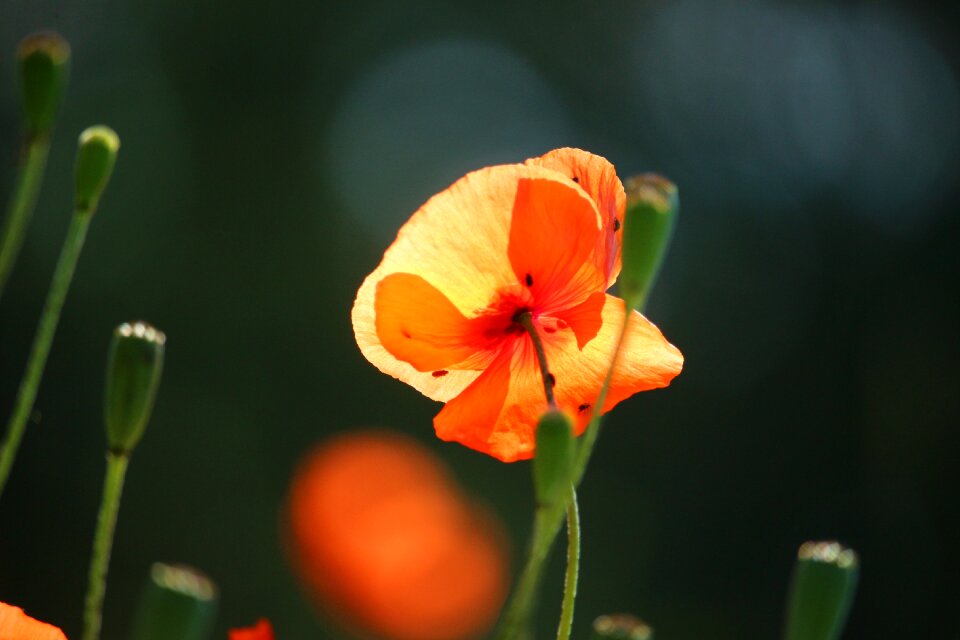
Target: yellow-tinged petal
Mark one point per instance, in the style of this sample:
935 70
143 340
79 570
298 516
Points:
458 242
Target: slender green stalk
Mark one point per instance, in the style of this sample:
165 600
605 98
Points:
102 541
573 567
22 202
42 341
547 519
516 619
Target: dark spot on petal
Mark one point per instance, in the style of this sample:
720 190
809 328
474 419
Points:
406 334
549 329
583 407
440 373
576 179
551 380
561 324
616 224
529 280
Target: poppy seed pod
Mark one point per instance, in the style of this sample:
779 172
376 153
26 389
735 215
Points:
44 60
821 591
96 155
133 374
554 458
621 627
177 602
652 205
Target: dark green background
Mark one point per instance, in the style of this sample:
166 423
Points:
270 151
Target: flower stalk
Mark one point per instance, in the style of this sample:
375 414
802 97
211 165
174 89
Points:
103 542
47 327
96 153
573 568
22 203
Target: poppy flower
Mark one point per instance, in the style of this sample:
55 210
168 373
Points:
441 310
263 630
16 625
386 544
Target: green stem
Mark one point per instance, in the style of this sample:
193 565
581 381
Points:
573 567
515 622
46 328
102 541
516 619
22 202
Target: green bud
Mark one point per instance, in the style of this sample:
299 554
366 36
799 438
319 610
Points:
133 374
44 59
821 592
652 205
177 602
96 155
621 626
553 461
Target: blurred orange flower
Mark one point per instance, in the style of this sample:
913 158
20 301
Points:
440 312
386 543
260 631
16 625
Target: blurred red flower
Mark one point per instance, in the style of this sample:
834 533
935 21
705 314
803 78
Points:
263 630
387 544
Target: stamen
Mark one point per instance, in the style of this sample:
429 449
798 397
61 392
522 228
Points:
525 320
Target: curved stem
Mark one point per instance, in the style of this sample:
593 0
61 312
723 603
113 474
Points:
46 328
515 622
22 202
573 568
102 542
525 320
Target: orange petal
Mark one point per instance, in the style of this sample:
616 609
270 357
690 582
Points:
418 324
647 361
498 413
458 243
16 625
586 318
554 232
598 178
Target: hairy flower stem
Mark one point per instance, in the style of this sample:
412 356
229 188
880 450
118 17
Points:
46 328
22 203
515 622
102 542
573 568
525 320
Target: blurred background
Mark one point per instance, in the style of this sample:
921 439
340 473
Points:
269 154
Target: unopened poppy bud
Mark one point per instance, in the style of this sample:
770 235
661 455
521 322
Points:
621 626
821 591
44 60
652 205
96 155
133 374
177 602
554 457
